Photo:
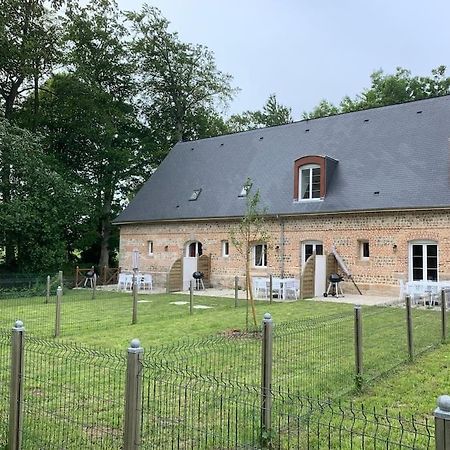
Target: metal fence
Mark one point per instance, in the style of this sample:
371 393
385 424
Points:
72 397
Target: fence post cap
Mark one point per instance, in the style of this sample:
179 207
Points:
135 346
18 326
357 307
443 409
59 288
267 317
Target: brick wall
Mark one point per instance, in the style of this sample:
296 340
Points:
388 235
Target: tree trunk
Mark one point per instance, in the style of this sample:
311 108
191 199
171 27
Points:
250 298
105 226
10 244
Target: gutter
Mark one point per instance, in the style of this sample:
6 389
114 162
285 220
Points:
286 215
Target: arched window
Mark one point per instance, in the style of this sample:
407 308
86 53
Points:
309 182
194 249
309 178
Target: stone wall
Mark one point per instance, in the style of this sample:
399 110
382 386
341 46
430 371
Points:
388 234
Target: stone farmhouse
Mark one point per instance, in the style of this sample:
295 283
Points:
374 184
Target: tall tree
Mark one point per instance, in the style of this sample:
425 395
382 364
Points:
389 89
29 49
41 211
273 113
180 81
90 113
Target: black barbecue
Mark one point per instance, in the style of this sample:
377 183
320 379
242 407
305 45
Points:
198 277
334 287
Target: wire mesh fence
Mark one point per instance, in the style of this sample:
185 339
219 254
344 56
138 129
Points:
75 395
72 395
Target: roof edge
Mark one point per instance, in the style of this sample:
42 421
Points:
286 215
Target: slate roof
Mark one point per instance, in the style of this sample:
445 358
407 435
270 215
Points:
400 151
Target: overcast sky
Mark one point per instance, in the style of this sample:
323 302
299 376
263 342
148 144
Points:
304 51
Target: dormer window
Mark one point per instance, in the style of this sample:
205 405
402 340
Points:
312 175
309 177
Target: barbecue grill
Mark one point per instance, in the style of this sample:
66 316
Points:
198 277
334 287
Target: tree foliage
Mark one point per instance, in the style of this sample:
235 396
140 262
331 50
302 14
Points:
181 84
273 113
41 211
388 89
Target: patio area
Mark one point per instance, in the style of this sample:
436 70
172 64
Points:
370 300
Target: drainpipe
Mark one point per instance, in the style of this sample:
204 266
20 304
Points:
281 246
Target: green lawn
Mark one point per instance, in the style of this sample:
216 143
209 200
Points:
195 366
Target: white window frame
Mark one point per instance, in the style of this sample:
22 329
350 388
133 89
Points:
196 248
263 255
225 249
424 243
314 244
309 167
361 249
150 248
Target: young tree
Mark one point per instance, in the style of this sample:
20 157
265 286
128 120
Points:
250 230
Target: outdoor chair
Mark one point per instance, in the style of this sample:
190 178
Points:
291 289
277 288
146 281
260 286
122 282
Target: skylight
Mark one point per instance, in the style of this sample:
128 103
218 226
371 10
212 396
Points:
194 195
245 190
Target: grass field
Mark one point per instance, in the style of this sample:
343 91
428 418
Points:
71 388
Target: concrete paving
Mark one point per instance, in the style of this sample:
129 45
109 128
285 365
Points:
350 298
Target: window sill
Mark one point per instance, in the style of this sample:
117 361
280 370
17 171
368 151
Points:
308 200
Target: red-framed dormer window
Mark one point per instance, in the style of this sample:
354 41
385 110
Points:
309 178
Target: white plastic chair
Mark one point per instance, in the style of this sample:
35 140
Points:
260 285
146 280
122 282
129 281
291 288
277 288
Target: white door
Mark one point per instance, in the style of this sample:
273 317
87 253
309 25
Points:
320 276
189 267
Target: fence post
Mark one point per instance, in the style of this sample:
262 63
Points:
444 315
236 291
104 275
266 378
61 279
58 312
167 283
47 296
94 285
409 328
358 347
77 274
133 396
134 290
442 423
191 297
16 387
270 288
